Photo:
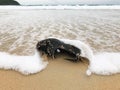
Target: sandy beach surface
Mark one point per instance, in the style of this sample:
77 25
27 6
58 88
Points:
20 30
59 75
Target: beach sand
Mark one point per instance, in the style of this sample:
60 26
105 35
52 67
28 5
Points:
20 31
59 75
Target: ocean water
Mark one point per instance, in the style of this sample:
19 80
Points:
59 7
20 30
68 2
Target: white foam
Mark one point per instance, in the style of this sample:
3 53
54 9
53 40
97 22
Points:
24 64
105 64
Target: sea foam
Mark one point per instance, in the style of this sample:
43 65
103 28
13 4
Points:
24 64
104 63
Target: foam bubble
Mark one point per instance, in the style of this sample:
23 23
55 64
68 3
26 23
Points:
88 72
